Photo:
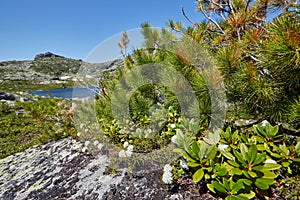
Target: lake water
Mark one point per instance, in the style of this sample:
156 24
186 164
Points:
67 92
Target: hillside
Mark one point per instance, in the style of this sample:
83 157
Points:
45 72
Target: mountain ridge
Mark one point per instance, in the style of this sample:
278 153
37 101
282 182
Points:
48 71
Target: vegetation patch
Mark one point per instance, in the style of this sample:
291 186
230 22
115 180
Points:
33 123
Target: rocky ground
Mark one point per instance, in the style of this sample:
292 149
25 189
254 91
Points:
60 170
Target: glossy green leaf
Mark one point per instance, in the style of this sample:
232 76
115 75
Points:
271 166
252 174
296 159
244 151
246 181
266 181
233 163
227 155
258 168
211 187
207 176
213 152
219 186
195 148
239 157
262 186
259 158
285 164
237 187
198 175
222 171
250 195
252 153
188 157
269 174
260 147
246 174
193 164
236 171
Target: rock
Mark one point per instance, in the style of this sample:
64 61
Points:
57 170
46 55
7 96
60 170
4 96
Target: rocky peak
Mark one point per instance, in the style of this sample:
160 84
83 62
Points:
47 55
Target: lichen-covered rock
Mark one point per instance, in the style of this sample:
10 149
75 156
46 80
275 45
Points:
60 170
57 170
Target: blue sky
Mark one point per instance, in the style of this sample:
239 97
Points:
72 28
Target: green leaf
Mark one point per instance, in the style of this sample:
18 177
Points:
246 174
233 163
195 148
271 166
222 171
207 176
260 130
219 186
213 152
260 147
259 158
240 197
237 186
273 130
211 187
246 181
198 175
296 159
239 157
297 147
262 186
284 149
285 164
252 174
227 155
188 157
193 164
266 181
276 155
248 195
226 184
258 168
269 174
252 153
236 171
244 152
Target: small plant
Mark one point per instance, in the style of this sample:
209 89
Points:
239 165
199 156
232 190
248 163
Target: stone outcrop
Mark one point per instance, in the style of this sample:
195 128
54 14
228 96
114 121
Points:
46 55
57 170
4 96
60 170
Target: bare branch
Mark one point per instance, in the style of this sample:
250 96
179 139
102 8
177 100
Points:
212 20
247 5
238 33
186 17
231 7
220 6
221 14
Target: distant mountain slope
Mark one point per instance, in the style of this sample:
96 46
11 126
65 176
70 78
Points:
46 71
